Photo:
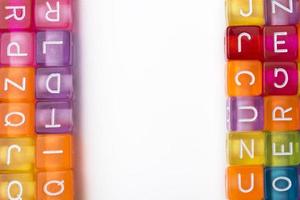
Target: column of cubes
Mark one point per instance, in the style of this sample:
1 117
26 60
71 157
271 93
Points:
36 92
263 106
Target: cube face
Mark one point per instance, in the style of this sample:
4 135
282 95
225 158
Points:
17 49
54 48
16 119
55 185
244 78
281 183
245 182
283 149
54 152
17 84
245 113
280 43
53 14
247 12
247 148
54 83
282 12
281 113
15 14
280 78
54 117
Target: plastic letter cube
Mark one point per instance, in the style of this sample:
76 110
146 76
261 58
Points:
280 43
54 152
54 48
17 49
280 78
56 14
246 148
54 83
54 117
245 113
281 113
56 185
16 119
245 12
15 14
245 183
244 42
281 183
282 12
282 149
244 78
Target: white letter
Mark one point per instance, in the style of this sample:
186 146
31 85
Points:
249 12
282 152
284 179
240 184
19 185
253 109
17 47
244 146
282 113
241 35
287 9
9 150
51 76
20 87
15 12
50 152
52 125
45 43
59 192
286 77
277 42
237 76
55 12
8 123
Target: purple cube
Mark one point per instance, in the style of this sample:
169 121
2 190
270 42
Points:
54 117
54 83
54 48
245 113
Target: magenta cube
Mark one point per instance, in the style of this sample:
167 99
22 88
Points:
54 83
280 78
245 114
53 14
282 12
17 49
280 43
54 117
54 48
16 14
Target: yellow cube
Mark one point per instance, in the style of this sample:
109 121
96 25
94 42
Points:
246 148
17 154
245 12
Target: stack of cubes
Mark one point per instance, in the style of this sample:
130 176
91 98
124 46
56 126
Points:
36 89
263 107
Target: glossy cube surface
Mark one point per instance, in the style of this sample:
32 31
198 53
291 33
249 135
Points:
280 78
246 148
245 113
244 78
17 49
54 48
54 83
54 117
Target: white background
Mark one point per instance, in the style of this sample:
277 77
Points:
152 100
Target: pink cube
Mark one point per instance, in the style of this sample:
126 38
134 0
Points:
17 49
16 14
56 14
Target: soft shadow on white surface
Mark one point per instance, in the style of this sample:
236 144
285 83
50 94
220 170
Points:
152 85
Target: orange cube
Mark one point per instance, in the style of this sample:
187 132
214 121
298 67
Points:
55 185
17 84
281 113
17 119
245 183
244 78
54 152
